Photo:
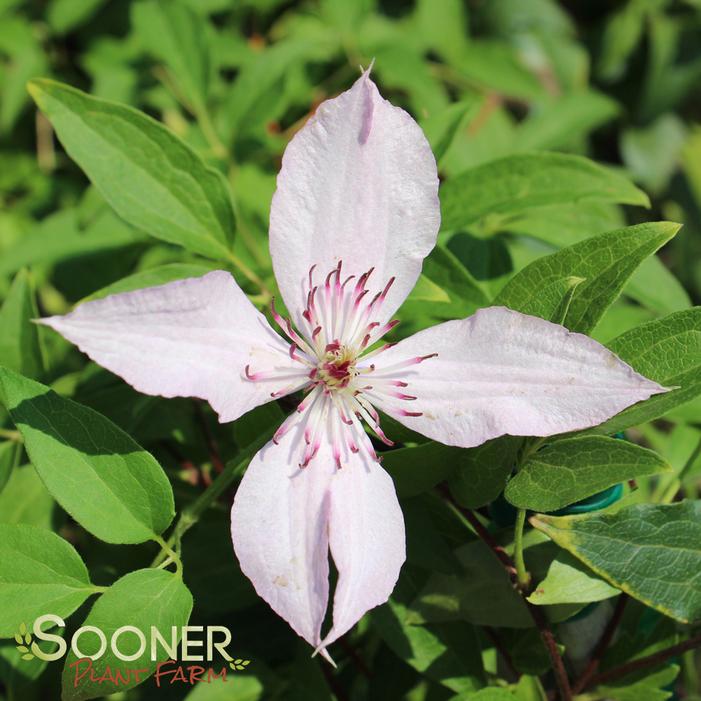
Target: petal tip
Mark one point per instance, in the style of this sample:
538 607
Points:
321 650
365 72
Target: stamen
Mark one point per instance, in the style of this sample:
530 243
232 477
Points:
339 323
407 363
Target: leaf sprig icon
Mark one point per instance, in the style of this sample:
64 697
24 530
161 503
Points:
24 640
239 665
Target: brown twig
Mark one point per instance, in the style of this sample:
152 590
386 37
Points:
536 613
485 536
558 666
645 662
601 646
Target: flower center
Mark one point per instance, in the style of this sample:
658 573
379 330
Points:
336 369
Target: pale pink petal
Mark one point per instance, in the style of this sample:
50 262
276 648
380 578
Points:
285 518
279 527
367 539
358 184
500 371
189 338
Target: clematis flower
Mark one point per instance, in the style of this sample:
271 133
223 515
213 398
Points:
355 212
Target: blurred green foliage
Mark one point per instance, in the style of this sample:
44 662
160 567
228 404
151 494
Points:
494 84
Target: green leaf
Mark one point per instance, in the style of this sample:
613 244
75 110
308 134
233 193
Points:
259 86
565 224
605 262
25 59
645 686
177 35
64 15
561 122
150 177
554 301
10 452
481 594
622 33
247 688
61 236
426 521
667 351
25 499
40 573
20 349
150 278
99 475
16 673
447 653
652 552
446 290
492 693
514 184
441 128
141 599
575 468
654 286
418 469
568 581
480 473
497 65
211 574
651 154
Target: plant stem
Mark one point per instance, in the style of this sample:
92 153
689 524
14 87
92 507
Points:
558 666
192 513
171 554
522 575
470 520
536 613
11 435
644 662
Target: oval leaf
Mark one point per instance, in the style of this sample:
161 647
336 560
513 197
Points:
516 183
668 351
19 339
568 581
99 475
40 573
152 179
141 599
605 263
575 468
651 552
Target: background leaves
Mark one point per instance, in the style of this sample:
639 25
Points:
567 137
